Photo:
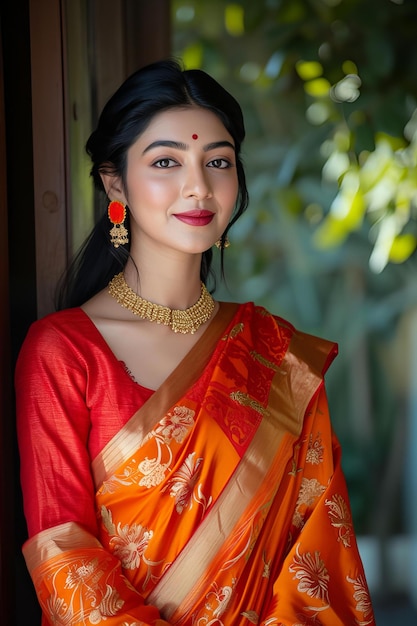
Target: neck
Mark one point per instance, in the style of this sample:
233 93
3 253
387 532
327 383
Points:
186 321
175 285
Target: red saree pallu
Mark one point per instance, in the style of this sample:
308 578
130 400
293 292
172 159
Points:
221 500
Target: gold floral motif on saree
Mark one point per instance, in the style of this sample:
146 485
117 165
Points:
294 461
341 518
266 362
151 472
362 599
315 450
245 400
236 330
312 575
182 485
310 491
252 616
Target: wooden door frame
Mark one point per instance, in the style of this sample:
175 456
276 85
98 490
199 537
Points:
140 33
49 148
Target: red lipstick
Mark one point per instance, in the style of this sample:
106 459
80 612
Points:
197 217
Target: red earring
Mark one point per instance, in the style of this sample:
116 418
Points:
116 211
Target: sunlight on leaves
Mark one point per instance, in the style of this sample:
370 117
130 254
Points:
347 89
307 70
319 87
318 113
383 187
402 247
234 19
192 56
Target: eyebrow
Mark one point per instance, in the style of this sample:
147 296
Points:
179 145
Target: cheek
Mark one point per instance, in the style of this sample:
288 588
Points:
147 190
231 195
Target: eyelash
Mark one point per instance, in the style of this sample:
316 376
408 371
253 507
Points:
226 161
167 160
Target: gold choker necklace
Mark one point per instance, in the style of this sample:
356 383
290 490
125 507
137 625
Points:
187 321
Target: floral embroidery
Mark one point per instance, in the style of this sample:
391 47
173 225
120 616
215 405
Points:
78 575
153 472
245 400
182 483
252 616
150 472
58 611
130 544
310 490
312 573
261 359
222 596
294 461
362 599
315 450
110 605
298 519
267 566
340 518
175 425
238 328
90 597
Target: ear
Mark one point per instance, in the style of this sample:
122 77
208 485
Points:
113 187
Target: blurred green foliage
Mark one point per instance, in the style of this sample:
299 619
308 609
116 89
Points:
329 93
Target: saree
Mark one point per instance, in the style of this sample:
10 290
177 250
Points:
220 501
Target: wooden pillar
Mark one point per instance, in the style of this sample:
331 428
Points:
49 145
148 32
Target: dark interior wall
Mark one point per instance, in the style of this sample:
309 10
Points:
17 89
18 605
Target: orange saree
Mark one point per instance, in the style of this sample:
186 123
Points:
221 500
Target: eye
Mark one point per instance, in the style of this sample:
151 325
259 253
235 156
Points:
165 163
220 164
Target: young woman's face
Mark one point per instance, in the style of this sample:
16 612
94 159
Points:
181 182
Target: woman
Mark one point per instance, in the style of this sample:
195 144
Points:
178 461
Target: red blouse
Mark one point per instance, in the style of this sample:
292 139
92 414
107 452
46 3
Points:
73 396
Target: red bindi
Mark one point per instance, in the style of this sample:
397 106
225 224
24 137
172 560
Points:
195 136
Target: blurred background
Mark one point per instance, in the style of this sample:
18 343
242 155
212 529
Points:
329 93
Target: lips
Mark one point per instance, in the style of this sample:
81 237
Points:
196 217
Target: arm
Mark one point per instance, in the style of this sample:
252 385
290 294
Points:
76 580
322 578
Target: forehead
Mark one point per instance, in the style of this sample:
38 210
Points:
186 121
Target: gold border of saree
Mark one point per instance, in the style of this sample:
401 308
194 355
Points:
256 478
130 437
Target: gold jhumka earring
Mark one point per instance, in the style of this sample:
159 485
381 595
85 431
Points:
119 235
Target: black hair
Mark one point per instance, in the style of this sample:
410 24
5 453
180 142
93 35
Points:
157 87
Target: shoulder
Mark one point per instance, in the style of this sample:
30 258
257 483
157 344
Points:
68 326
57 336
316 351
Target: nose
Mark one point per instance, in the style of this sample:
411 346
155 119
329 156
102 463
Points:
197 183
